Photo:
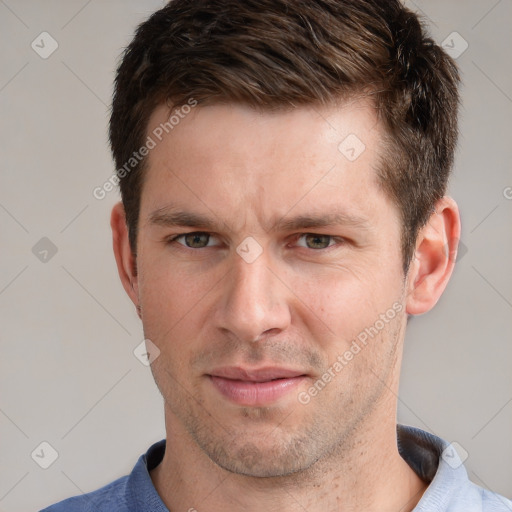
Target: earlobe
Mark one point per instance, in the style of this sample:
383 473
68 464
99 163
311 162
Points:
434 257
125 259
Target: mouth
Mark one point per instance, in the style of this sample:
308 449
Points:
255 387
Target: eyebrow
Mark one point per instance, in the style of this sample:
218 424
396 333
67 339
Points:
321 221
164 217
172 218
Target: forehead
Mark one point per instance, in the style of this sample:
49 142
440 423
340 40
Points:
240 127
233 160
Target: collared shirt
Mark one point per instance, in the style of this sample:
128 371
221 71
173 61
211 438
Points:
432 459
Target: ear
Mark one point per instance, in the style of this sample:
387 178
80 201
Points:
125 259
434 258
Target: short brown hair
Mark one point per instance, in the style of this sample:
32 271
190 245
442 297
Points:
273 54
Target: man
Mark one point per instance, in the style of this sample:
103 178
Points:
283 167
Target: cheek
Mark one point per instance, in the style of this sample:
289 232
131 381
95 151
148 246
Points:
344 302
165 282
171 298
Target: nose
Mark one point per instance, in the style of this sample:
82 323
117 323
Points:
254 304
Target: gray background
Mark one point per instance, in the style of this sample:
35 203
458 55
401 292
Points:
68 375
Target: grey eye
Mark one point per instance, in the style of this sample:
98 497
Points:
196 240
314 241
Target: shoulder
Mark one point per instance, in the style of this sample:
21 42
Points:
484 500
109 498
473 498
450 490
131 492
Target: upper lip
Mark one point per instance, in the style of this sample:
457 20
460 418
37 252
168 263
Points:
255 374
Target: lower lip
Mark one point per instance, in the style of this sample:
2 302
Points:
255 393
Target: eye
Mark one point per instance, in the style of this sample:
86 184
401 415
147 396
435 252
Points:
315 241
196 240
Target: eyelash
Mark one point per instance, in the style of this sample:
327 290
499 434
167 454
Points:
338 240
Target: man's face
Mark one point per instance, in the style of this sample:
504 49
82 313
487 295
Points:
264 250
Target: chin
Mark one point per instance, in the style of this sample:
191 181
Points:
269 458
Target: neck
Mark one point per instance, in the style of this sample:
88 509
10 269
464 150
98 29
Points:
364 473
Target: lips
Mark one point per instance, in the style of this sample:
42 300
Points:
255 387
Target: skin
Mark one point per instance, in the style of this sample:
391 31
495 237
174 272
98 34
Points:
299 305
